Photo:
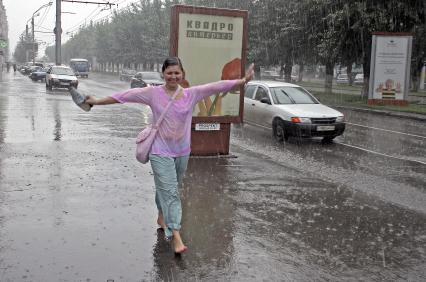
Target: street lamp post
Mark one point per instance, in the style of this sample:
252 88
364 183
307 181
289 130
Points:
35 14
33 38
58 31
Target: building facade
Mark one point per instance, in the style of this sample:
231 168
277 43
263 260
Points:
4 41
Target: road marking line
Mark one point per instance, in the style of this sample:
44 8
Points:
360 148
382 154
387 130
256 124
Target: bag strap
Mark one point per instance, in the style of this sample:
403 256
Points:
160 119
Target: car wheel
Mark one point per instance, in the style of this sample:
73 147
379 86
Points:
328 139
279 131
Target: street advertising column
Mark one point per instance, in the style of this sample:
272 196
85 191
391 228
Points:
390 68
211 43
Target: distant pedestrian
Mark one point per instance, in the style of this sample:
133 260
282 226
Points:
14 68
171 148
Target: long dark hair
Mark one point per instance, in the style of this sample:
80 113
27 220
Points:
172 61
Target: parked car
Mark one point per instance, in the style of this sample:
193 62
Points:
269 75
146 78
359 79
342 78
32 69
25 70
291 111
28 67
39 74
60 77
126 74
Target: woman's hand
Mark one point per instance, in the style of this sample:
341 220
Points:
249 75
91 100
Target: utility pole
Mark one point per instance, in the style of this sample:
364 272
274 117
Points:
58 32
33 41
26 49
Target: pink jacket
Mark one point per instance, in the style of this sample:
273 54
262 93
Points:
173 138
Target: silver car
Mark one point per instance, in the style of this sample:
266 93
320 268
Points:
60 77
291 111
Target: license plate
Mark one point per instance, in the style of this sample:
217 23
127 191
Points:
65 83
325 127
207 126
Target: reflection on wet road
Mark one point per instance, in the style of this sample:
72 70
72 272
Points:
76 205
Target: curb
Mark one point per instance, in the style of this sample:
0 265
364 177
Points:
419 117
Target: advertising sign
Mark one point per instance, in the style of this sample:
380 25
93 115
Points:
211 44
210 48
390 68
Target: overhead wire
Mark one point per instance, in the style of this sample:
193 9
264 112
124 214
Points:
77 26
91 17
43 17
94 13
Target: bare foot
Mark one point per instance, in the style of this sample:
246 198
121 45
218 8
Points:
160 221
178 245
179 248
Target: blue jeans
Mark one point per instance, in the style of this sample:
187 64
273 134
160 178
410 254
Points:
168 174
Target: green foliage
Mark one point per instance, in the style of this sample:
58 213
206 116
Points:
22 48
280 32
139 34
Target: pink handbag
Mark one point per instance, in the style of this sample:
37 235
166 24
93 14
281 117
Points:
146 137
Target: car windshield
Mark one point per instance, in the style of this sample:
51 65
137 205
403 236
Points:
291 95
151 75
63 71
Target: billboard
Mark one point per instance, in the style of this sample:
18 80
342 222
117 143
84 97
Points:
211 44
390 68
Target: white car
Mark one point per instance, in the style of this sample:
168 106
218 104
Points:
342 79
359 79
291 111
61 77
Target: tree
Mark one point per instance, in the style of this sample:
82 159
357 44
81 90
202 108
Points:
23 48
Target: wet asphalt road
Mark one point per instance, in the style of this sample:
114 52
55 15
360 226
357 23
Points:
77 206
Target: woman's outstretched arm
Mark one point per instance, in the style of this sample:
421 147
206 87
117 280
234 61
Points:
92 100
209 89
134 95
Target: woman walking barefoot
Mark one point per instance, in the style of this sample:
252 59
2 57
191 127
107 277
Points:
171 148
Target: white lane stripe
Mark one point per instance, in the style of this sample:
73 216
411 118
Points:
255 124
381 154
387 130
360 148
